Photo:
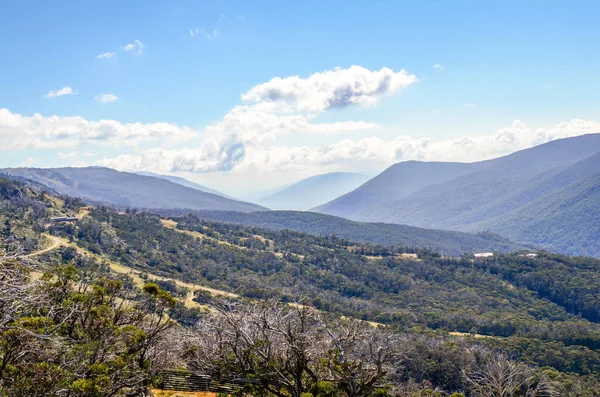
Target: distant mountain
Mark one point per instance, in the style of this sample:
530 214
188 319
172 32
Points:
183 182
313 191
528 196
105 185
446 242
396 182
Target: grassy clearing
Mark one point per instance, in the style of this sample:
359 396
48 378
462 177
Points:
468 335
171 393
170 224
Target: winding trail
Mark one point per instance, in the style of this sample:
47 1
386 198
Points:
56 242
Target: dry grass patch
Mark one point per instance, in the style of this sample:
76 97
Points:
171 393
476 336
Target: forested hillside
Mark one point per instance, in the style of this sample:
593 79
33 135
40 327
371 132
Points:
138 283
547 195
444 241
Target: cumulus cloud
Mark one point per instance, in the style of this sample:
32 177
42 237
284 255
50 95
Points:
336 88
74 154
231 155
37 131
137 47
289 105
66 90
106 98
438 66
106 55
214 155
28 162
257 124
468 148
210 35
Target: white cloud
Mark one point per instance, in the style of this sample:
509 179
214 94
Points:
28 162
468 148
256 124
106 55
288 105
438 66
74 154
137 47
194 32
66 90
336 88
22 132
214 155
68 155
106 98
372 150
210 35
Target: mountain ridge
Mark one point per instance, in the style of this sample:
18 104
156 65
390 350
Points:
105 185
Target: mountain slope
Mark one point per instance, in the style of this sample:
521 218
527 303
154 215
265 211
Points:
313 191
98 184
403 179
396 182
183 182
447 242
568 221
506 196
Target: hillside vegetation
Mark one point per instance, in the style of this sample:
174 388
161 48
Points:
446 242
542 311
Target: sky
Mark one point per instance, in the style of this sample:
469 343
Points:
245 96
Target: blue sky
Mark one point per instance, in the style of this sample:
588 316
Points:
510 74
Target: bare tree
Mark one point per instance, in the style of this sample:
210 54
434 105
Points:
291 350
360 356
278 346
497 376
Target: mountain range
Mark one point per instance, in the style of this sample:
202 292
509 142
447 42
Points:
105 185
548 195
